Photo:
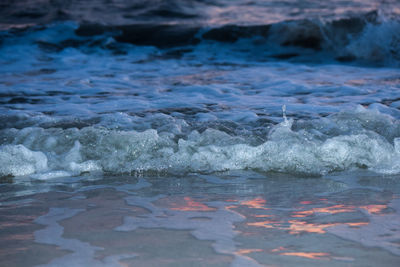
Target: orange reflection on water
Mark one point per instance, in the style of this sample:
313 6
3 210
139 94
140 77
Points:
248 251
357 224
266 224
256 203
191 205
302 214
278 249
308 255
375 209
372 209
335 209
331 210
297 227
263 216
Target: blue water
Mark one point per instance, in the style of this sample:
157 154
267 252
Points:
98 96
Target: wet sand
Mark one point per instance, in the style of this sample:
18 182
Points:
230 219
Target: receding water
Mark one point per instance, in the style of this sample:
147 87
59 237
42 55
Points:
229 219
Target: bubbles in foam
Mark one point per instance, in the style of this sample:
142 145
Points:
18 160
344 141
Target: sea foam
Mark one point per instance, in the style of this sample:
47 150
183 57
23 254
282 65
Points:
344 141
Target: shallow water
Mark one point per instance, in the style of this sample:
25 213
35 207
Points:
229 219
230 133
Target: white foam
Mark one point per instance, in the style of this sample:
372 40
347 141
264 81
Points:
348 140
17 160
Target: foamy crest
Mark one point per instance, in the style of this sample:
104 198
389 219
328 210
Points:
18 160
378 43
343 142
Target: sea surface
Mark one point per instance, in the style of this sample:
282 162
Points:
198 133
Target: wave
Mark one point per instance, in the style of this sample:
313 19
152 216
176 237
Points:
371 38
344 141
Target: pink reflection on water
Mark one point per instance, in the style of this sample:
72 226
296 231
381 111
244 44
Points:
297 227
263 216
189 204
331 210
255 203
278 249
248 251
371 209
374 209
308 255
266 224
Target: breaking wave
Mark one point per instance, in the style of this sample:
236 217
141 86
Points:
344 141
373 38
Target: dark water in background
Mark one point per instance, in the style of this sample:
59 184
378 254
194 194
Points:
220 12
190 133
194 86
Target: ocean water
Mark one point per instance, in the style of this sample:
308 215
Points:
194 133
